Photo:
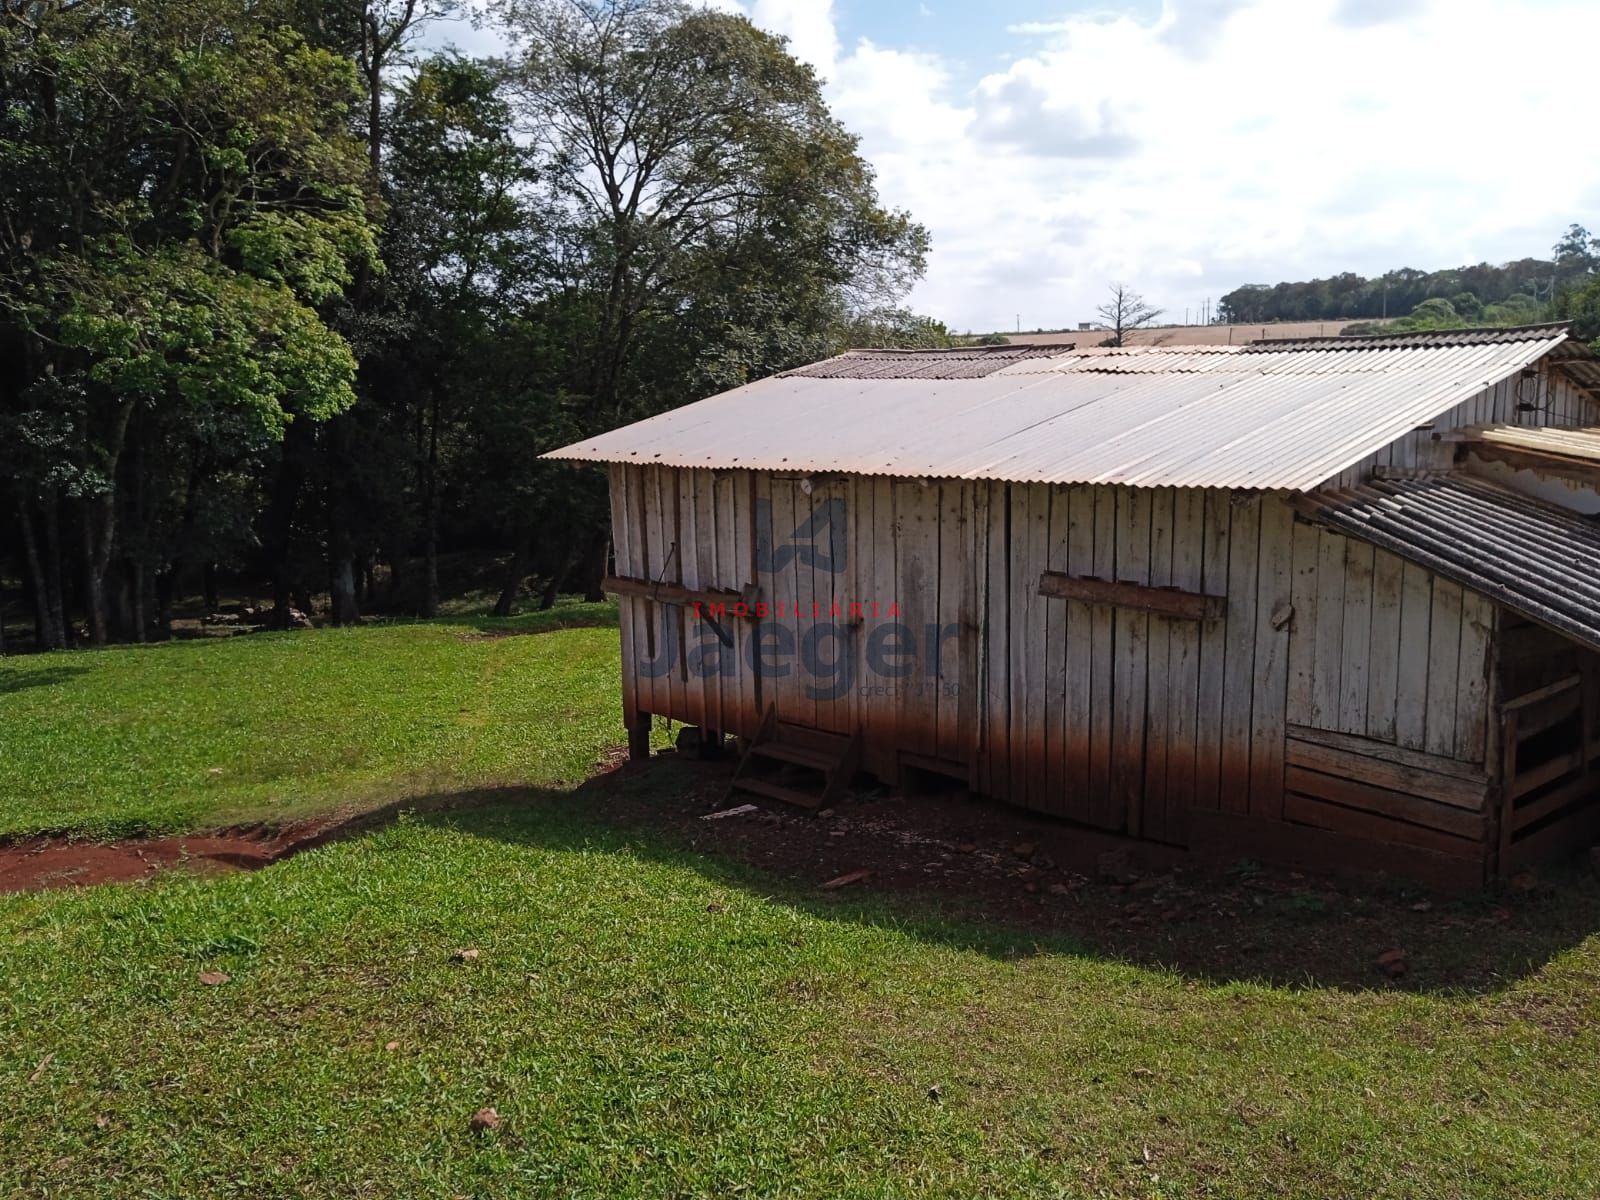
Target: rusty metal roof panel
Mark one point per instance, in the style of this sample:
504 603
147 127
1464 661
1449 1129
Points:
1537 559
1180 417
967 362
1488 336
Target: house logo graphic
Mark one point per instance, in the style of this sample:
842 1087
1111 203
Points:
817 542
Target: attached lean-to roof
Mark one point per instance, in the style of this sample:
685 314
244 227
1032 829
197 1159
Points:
1573 444
1537 559
1266 415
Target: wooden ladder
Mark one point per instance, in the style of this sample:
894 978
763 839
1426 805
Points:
798 750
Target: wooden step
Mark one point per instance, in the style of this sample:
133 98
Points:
793 752
774 791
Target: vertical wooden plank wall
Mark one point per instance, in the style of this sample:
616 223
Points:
1111 717
1382 649
1144 717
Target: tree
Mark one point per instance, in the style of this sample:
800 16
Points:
712 220
1574 256
463 250
1125 312
181 193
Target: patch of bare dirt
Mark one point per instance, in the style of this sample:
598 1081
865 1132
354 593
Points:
54 862
33 864
1134 901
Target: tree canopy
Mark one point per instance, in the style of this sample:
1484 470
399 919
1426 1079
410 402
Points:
283 296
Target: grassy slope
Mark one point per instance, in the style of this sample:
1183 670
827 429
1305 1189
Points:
649 1023
190 735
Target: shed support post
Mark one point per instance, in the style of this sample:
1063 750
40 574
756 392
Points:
639 738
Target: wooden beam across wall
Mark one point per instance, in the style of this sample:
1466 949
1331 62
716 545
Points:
1162 601
672 593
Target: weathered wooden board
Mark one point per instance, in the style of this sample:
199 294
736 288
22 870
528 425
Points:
996 769
1444 660
1411 687
1231 836
1078 654
1054 652
1037 673
1183 667
1383 673
1158 600
1357 640
1399 806
1270 680
1303 636
1303 809
1244 550
1152 805
622 563
1213 654
1329 643
1130 660
1102 811
1467 794
1472 677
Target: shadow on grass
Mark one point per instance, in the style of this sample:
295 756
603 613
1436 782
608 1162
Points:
25 677
1236 927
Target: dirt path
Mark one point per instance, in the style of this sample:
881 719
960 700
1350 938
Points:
53 862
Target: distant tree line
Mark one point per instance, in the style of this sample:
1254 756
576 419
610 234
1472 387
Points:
1528 289
284 298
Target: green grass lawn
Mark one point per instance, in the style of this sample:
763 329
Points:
270 727
648 1021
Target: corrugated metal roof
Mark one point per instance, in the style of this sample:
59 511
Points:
1486 336
1562 441
1268 416
968 362
1537 559
1579 363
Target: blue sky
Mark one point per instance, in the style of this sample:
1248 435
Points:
972 35
1185 147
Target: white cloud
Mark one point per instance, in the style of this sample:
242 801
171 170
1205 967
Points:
808 24
1224 142
1221 142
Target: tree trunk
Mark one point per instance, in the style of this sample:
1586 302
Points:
516 572
94 577
209 587
100 528
47 633
552 588
344 609
598 559
141 626
166 588
278 530
53 561
430 515
342 591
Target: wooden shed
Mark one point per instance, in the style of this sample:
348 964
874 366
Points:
1286 599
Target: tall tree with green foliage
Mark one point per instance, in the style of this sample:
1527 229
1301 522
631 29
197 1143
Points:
711 217
181 191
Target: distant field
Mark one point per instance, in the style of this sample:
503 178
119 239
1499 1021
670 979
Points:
651 1021
271 727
